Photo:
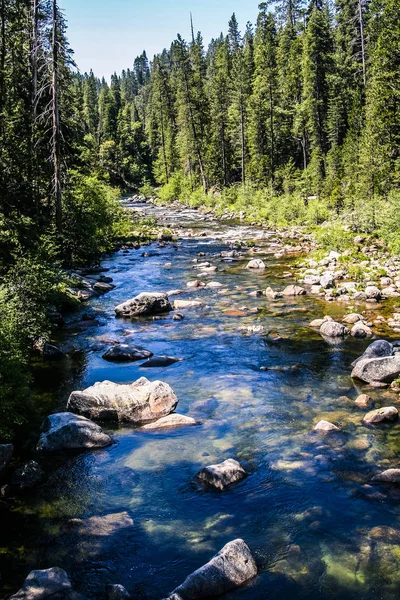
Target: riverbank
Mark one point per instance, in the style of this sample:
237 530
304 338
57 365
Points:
258 379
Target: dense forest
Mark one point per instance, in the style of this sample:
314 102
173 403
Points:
295 120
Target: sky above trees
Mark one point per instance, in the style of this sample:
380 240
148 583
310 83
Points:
106 36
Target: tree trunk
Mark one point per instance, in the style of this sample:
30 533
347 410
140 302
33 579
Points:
195 137
163 138
56 123
363 58
242 142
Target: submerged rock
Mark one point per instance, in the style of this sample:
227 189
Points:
6 452
102 287
146 303
139 402
388 476
325 426
160 361
126 353
381 415
173 420
66 431
223 474
28 476
363 401
187 303
44 584
116 592
227 570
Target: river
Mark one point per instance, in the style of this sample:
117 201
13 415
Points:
317 527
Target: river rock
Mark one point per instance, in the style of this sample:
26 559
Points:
256 263
226 571
28 476
186 303
126 353
223 474
146 303
388 476
44 584
212 285
102 287
116 592
384 369
352 318
377 349
66 431
312 279
178 317
373 293
140 402
333 329
381 415
317 323
173 420
361 330
6 452
294 290
195 284
327 280
325 426
160 361
363 401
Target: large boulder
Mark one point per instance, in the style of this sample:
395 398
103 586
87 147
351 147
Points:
223 474
139 402
385 369
377 349
227 570
146 303
381 415
6 452
333 329
126 353
65 431
44 584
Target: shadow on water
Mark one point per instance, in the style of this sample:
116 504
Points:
134 514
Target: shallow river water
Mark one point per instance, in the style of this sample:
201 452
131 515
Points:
317 527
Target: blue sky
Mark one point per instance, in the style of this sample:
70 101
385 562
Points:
106 35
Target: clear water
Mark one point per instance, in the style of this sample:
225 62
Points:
317 528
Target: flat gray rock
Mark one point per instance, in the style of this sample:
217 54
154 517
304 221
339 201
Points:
223 474
66 431
384 369
388 476
145 304
226 571
139 402
173 420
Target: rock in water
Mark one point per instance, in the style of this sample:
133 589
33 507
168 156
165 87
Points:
140 402
325 426
294 290
173 420
227 570
381 415
116 592
65 431
161 361
44 584
377 349
6 452
256 263
28 476
388 476
333 329
126 353
223 474
385 369
146 303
